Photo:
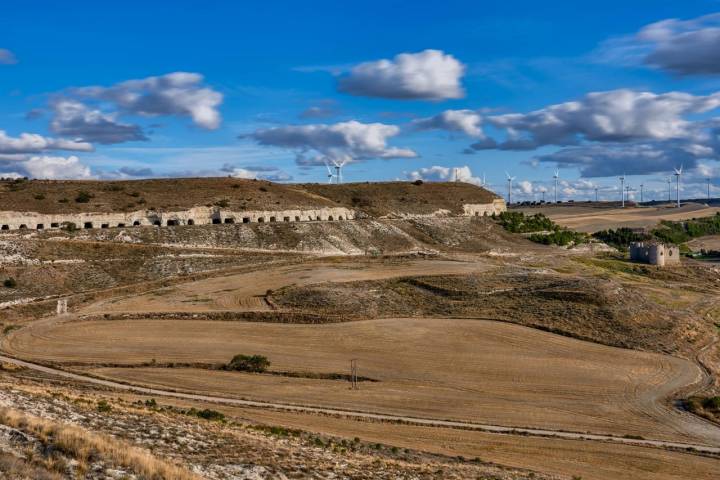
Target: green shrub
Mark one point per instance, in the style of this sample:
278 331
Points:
83 197
39 196
222 203
518 222
248 363
103 406
620 238
10 283
69 226
206 414
559 237
712 403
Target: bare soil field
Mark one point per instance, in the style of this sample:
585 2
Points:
592 218
437 368
246 291
709 242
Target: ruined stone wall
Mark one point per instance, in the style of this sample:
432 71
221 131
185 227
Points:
654 253
193 216
485 209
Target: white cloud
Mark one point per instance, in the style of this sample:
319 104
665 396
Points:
682 47
468 122
525 187
616 115
178 93
56 168
426 75
74 119
438 173
340 142
28 143
7 57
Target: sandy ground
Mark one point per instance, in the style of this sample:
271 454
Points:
245 291
471 370
589 219
709 242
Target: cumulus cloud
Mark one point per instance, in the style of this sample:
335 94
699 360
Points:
178 93
426 75
445 174
136 172
339 142
49 167
7 57
250 172
616 115
74 119
28 143
634 159
320 111
683 47
468 122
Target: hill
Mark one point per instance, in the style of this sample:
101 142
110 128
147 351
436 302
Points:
375 199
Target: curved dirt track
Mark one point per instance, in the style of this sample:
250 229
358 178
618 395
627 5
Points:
362 415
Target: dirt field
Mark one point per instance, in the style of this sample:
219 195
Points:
592 219
460 369
246 291
709 242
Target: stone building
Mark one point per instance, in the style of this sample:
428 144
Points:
654 253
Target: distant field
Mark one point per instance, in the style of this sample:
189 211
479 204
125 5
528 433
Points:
439 368
709 242
592 218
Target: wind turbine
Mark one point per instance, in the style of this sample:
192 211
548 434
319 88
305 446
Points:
556 176
331 175
509 180
641 193
678 172
708 182
669 182
622 189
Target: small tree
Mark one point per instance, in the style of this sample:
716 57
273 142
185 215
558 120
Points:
248 363
83 197
69 226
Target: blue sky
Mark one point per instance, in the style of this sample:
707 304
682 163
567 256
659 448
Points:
278 89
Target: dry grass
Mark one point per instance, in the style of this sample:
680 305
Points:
85 446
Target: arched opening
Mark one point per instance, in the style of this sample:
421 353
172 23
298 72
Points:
286 219
40 226
340 217
477 214
297 219
485 214
23 227
157 223
172 223
54 225
246 219
216 221
5 227
191 221
309 219
136 223
330 218
272 219
121 225
318 218
261 219
105 225
88 225
229 220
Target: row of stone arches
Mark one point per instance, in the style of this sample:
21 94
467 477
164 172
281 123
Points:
171 222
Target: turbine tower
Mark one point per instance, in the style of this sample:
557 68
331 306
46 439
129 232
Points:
509 180
556 176
641 193
338 169
678 172
622 189
596 194
669 182
708 182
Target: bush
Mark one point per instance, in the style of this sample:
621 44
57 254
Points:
10 283
207 414
63 200
517 222
712 403
69 226
103 406
248 363
620 238
222 203
83 197
559 237
39 196
418 182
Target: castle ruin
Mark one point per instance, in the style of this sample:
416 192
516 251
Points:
654 253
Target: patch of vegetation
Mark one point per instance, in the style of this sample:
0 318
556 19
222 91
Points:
518 222
207 414
681 232
248 363
63 200
560 237
707 407
10 283
10 328
103 406
222 203
69 226
83 197
39 196
620 238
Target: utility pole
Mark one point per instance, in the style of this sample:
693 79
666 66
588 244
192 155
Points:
353 374
543 194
